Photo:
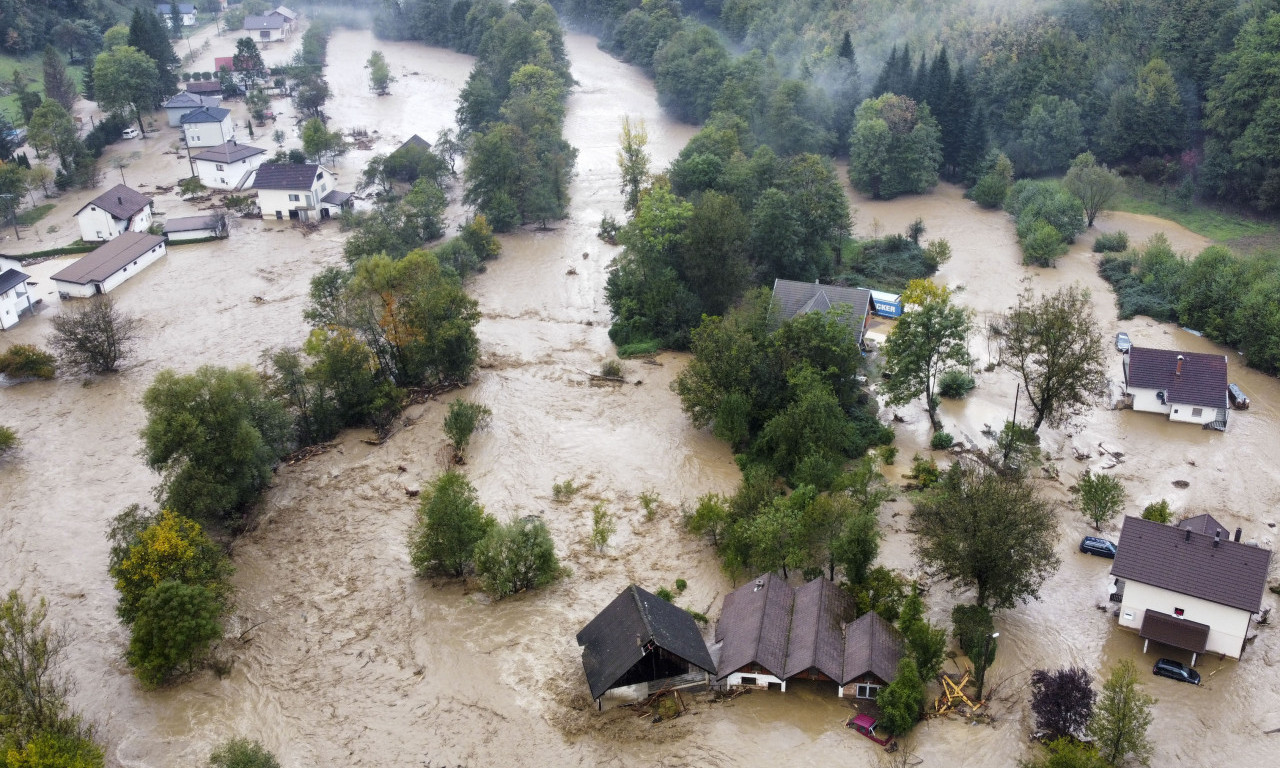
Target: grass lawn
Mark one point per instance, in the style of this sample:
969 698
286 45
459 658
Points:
1219 225
30 216
32 67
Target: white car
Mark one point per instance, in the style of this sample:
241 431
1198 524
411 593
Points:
129 133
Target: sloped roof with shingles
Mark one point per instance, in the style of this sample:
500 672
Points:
229 152
621 635
1203 380
11 278
286 176
817 639
797 298
254 23
204 86
285 12
193 223
1205 523
1184 561
119 201
334 197
205 115
108 259
188 100
754 623
414 141
1171 630
873 645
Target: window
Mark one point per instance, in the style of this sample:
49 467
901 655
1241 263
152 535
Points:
749 681
279 215
293 198
1196 412
867 691
218 167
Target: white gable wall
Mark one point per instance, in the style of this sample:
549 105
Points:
1227 626
1146 400
12 303
114 280
1193 414
209 134
227 175
96 225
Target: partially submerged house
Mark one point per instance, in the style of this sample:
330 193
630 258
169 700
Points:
227 165
303 191
267 29
770 633
852 305
101 270
185 10
119 209
641 638
1189 586
1186 386
196 227
290 17
184 102
208 127
15 297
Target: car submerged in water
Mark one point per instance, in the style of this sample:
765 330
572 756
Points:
1176 671
1093 545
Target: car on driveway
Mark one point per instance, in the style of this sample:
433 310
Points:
1122 342
1176 671
1092 545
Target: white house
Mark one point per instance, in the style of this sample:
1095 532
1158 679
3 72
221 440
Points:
196 227
226 165
101 270
187 12
208 127
1187 386
290 17
15 297
119 209
302 191
267 29
1189 586
185 102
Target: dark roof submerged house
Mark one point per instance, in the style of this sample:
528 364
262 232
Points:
794 298
639 638
120 201
1188 386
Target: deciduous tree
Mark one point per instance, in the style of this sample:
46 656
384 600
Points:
94 336
149 548
33 688
175 625
1121 718
380 77
925 343
50 130
1095 185
125 78
516 556
450 524
633 161
463 419
1062 701
1100 497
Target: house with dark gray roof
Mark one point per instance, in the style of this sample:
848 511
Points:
101 270
119 209
185 10
183 102
770 633
195 227
267 29
206 87
641 638
226 165
1186 386
1193 586
208 127
15 297
852 305
302 191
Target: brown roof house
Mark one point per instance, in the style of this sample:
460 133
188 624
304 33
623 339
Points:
109 265
1189 586
119 209
639 638
1187 386
770 633
854 305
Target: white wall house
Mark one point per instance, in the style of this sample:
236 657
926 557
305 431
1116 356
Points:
15 297
290 16
1185 386
119 209
226 165
101 270
303 191
208 127
1189 586
185 102
266 29
186 11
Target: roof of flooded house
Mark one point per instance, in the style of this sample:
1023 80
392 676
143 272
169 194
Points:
224 62
414 141
109 258
11 278
1201 380
119 201
205 115
205 86
1191 563
252 23
228 152
1205 523
636 622
286 175
193 223
285 12
334 197
797 298
186 99
789 630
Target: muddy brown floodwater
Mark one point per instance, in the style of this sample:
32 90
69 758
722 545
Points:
341 657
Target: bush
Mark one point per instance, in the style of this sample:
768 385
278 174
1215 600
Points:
665 594
1111 242
639 348
602 526
611 369
242 753
26 361
609 228
888 454
941 441
1157 511
955 384
516 556
649 500
8 440
924 470
562 492
463 419
174 627
681 585
1043 244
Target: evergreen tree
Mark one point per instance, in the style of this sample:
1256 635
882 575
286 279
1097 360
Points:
58 84
147 34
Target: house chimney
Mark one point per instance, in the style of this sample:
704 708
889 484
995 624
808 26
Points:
1217 536
1188 536
1237 536
1179 371
119 200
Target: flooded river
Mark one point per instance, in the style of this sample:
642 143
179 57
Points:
339 656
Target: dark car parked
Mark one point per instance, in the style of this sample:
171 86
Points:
1092 545
1176 671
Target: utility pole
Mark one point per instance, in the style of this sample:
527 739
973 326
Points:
986 655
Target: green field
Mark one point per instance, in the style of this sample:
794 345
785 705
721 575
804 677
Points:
32 67
1217 224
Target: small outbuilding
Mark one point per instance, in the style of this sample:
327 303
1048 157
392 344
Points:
852 305
108 266
208 127
641 638
184 102
196 227
1189 586
204 87
15 297
119 209
1186 386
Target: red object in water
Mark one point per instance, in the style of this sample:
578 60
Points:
866 725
